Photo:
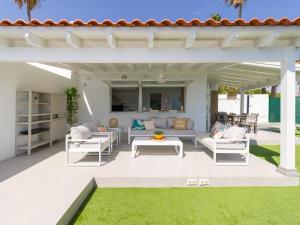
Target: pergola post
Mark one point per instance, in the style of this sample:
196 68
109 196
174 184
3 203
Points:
242 101
287 112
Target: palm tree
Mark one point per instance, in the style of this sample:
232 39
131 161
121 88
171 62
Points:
30 5
216 17
236 4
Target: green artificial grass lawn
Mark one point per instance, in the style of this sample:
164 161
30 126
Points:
197 206
193 206
298 133
271 154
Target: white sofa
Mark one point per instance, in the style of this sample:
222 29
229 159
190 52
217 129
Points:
225 146
168 132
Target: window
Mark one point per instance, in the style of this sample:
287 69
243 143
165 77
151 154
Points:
144 96
163 98
124 99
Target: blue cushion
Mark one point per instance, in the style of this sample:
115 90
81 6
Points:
138 125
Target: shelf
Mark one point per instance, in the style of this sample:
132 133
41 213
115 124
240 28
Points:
34 144
34 114
35 103
61 118
34 122
25 135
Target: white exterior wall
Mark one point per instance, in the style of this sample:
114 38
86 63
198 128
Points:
257 104
22 76
94 103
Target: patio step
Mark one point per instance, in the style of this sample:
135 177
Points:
183 181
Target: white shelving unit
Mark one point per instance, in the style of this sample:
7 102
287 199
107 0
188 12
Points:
35 115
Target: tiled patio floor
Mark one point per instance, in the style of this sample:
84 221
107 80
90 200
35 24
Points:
38 189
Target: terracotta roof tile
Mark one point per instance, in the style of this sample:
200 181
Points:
154 23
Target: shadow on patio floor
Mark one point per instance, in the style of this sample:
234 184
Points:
23 162
267 154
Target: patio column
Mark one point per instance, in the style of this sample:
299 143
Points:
287 113
242 101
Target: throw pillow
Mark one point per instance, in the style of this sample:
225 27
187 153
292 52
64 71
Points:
80 132
218 130
160 122
180 124
149 125
138 125
102 129
235 132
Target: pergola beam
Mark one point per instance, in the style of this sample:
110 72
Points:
140 55
190 40
5 42
252 71
267 40
227 41
73 40
111 40
130 66
150 40
187 66
35 40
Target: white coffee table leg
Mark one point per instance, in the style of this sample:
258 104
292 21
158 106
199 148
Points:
133 150
181 151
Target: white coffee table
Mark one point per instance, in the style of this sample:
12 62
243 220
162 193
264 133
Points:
147 141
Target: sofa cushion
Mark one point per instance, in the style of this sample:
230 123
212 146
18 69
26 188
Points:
231 146
171 122
180 124
160 122
149 125
138 125
190 124
235 132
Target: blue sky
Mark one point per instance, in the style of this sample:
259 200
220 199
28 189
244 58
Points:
157 9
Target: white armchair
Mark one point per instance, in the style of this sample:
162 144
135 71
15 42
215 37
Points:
96 144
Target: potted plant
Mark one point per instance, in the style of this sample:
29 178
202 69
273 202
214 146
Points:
72 105
159 135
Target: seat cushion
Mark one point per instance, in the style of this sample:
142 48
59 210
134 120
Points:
91 144
231 146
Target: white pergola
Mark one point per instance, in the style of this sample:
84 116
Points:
229 55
